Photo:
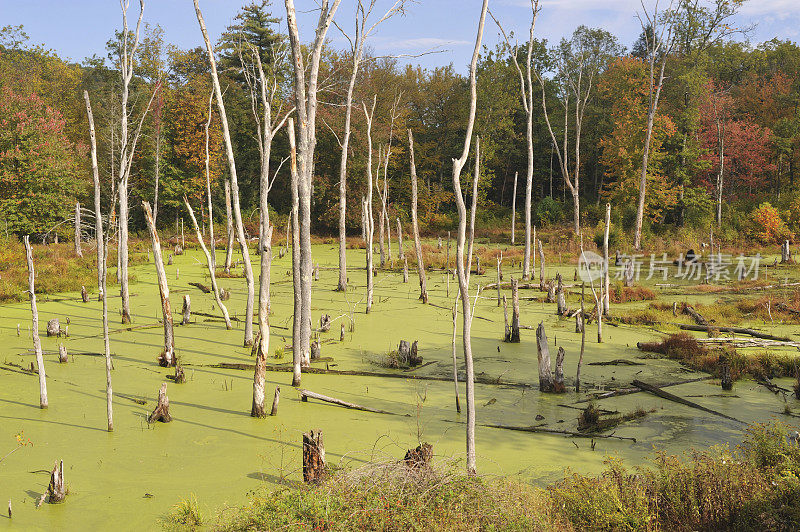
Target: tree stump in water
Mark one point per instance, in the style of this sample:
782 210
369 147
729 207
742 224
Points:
725 370
316 351
543 355
161 412
169 260
341 333
180 375
281 252
439 245
325 323
512 333
551 292
558 381
84 295
178 249
275 401
579 322
405 270
57 490
187 310
53 327
62 353
314 466
419 458
786 253
224 294
561 301
407 354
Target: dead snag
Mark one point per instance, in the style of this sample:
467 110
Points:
186 310
423 290
341 333
57 489
400 253
169 260
419 458
275 401
325 323
786 253
696 316
180 375
725 369
405 269
558 382
62 353
84 295
53 327
579 322
316 350
561 308
541 266
37 343
313 457
543 352
513 333
507 329
161 412
551 292
407 354
167 357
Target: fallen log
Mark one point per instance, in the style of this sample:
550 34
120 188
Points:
735 330
354 373
696 316
655 390
627 391
739 342
306 394
540 429
617 362
203 288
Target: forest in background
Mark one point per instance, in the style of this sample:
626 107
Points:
724 100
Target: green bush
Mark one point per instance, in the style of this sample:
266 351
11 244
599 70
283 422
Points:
549 212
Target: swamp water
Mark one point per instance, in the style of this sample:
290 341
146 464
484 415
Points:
215 451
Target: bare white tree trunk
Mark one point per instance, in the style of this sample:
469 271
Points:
229 226
455 359
423 288
514 209
102 255
463 277
237 211
606 274
37 343
210 262
297 353
259 407
78 251
168 357
401 254
126 154
305 96
369 218
213 244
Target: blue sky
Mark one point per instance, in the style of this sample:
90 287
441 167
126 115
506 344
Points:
80 28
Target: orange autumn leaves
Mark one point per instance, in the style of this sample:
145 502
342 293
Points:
625 87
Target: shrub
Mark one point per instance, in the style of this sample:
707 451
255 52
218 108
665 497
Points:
768 226
549 212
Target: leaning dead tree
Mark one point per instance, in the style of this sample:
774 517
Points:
463 277
423 288
126 149
305 97
211 265
37 343
102 259
167 358
237 211
526 92
357 43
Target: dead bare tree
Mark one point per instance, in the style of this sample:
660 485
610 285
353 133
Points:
211 266
526 92
423 288
357 43
369 219
167 358
126 151
305 96
463 277
78 251
299 357
102 258
258 408
514 209
37 343
606 273
237 211
659 39
229 227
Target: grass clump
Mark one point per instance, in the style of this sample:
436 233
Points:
626 294
185 515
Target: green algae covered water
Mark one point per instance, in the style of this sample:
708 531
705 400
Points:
215 451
